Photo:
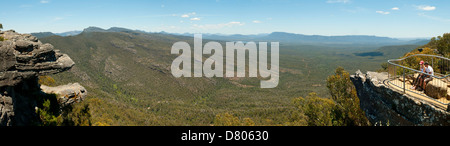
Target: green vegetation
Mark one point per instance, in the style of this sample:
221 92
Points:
441 43
347 111
129 81
77 115
437 46
51 114
47 81
227 119
1 27
317 110
341 110
49 111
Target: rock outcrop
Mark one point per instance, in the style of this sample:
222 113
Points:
387 106
22 59
67 94
436 89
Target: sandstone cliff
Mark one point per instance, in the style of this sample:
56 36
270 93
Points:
387 106
22 59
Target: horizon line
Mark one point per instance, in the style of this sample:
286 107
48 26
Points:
176 33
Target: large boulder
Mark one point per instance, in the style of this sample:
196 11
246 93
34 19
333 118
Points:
22 59
436 89
67 94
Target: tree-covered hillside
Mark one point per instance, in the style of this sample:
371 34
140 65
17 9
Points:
129 81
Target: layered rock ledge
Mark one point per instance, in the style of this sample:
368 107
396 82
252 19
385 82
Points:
384 105
22 59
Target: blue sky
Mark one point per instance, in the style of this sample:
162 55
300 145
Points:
392 18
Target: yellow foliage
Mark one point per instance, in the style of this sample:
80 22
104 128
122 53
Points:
47 81
227 119
101 124
94 101
248 122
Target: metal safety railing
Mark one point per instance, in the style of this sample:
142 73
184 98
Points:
403 74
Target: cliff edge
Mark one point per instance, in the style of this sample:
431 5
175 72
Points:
23 58
384 105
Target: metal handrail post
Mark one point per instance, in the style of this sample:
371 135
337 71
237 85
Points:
389 70
404 82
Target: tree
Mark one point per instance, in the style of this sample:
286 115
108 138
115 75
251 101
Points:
384 67
227 119
443 44
318 110
440 43
347 111
1 26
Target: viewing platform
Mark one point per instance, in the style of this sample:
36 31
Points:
403 73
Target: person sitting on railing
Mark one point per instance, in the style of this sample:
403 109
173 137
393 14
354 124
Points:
420 76
427 78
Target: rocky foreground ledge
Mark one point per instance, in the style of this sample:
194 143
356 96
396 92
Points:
23 58
384 106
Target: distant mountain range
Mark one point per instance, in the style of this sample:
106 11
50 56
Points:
272 37
47 34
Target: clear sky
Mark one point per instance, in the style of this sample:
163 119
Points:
392 18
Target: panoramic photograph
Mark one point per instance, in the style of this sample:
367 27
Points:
216 63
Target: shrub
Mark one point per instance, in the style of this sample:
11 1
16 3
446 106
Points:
47 81
51 114
48 110
318 110
347 111
227 119
77 115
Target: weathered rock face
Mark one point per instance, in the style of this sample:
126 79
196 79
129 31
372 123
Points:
22 59
68 94
436 89
384 105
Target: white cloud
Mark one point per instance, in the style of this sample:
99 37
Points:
383 12
195 19
426 8
188 15
256 21
218 26
44 1
338 1
395 8
434 17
